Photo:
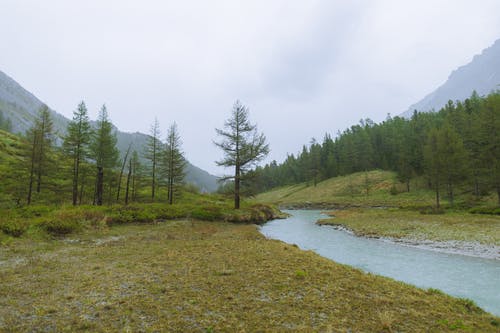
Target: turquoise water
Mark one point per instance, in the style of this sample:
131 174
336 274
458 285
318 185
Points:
458 275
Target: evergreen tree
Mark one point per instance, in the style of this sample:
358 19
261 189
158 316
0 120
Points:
152 155
41 139
445 159
124 163
434 163
315 162
173 163
242 146
75 145
136 174
490 140
104 153
454 158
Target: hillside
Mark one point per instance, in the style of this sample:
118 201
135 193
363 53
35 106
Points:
349 191
21 107
482 74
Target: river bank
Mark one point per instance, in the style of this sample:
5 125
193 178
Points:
207 277
455 232
473 249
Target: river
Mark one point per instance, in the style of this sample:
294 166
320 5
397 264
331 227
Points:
458 275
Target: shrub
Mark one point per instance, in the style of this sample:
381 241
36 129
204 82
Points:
35 211
59 226
14 227
485 210
207 213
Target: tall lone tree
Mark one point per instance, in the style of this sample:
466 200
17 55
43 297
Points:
41 140
152 154
242 146
104 152
75 144
173 162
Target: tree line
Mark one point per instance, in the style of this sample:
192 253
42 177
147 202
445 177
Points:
84 164
460 144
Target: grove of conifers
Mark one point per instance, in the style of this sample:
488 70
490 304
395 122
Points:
84 166
459 145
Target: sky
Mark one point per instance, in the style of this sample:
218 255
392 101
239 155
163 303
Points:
303 68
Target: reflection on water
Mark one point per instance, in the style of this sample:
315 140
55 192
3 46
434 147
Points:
462 276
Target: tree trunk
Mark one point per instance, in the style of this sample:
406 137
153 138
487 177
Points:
437 195
99 186
80 196
133 185
476 185
237 188
498 194
40 158
75 179
32 170
408 186
171 174
153 182
450 193
121 173
128 181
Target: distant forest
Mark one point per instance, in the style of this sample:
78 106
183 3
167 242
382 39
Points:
460 144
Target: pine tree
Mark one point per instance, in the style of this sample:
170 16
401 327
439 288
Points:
136 173
434 163
454 158
152 155
104 153
490 140
124 163
75 144
173 163
242 146
41 140
445 159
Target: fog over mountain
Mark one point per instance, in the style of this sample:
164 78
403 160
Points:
482 74
21 107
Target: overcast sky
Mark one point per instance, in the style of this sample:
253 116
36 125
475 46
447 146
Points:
303 68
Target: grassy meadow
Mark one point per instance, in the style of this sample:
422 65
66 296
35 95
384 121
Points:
375 188
199 276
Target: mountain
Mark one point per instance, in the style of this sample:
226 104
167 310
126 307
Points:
21 107
482 74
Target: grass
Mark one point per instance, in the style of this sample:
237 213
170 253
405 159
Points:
351 191
400 223
197 276
60 221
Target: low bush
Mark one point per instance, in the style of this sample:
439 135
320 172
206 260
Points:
485 210
35 211
59 227
207 213
14 227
